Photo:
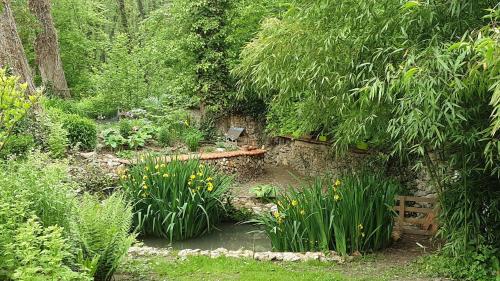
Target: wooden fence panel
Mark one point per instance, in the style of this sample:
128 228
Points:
415 216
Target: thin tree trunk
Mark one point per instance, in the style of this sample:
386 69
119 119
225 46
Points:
11 48
123 15
47 53
140 6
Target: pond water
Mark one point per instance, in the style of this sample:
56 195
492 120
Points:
229 236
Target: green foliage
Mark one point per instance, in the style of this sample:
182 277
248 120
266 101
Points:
264 192
175 200
36 207
351 215
132 133
165 136
57 139
207 19
14 104
96 107
91 178
120 78
82 132
41 253
47 129
113 138
140 137
103 232
393 75
64 105
42 227
17 145
480 265
192 138
44 183
125 128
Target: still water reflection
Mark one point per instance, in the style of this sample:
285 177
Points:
229 236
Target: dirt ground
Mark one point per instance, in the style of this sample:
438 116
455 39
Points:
395 260
282 177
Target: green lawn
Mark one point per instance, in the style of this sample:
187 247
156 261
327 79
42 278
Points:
204 268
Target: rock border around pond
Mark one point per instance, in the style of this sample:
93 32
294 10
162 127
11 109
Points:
222 252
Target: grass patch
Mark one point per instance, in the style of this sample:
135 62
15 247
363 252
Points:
205 268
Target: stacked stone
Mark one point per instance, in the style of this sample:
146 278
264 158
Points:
222 252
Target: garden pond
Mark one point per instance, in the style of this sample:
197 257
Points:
230 236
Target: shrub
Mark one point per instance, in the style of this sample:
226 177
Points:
14 104
140 137
112 138
57 139
351 215
166 136
264 192
36 209
64 105
479 265
45 184
42 230
103 233
176 200
125 128
41 254
81 131
17 145
192 138
96 107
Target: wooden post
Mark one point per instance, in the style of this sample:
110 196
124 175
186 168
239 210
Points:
402 205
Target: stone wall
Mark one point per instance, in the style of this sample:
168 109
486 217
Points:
253 134
316 159
310 159
242 166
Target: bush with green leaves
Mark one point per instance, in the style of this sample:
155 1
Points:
113 138
192 138
125 128
176 200
166 136
82 132
347 215
38 203
14 104
96 107
64 105
57 140
264 192
479 265
46 185
140 137
103 232
36 212
17 145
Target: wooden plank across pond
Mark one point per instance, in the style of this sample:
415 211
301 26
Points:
415 216
214 155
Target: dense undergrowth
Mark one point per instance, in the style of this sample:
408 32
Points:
347 215
415 80
176 200
47 235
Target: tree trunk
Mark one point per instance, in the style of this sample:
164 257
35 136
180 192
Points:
140 6
123 15
11 48
47 49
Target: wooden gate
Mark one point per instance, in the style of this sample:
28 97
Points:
416 215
